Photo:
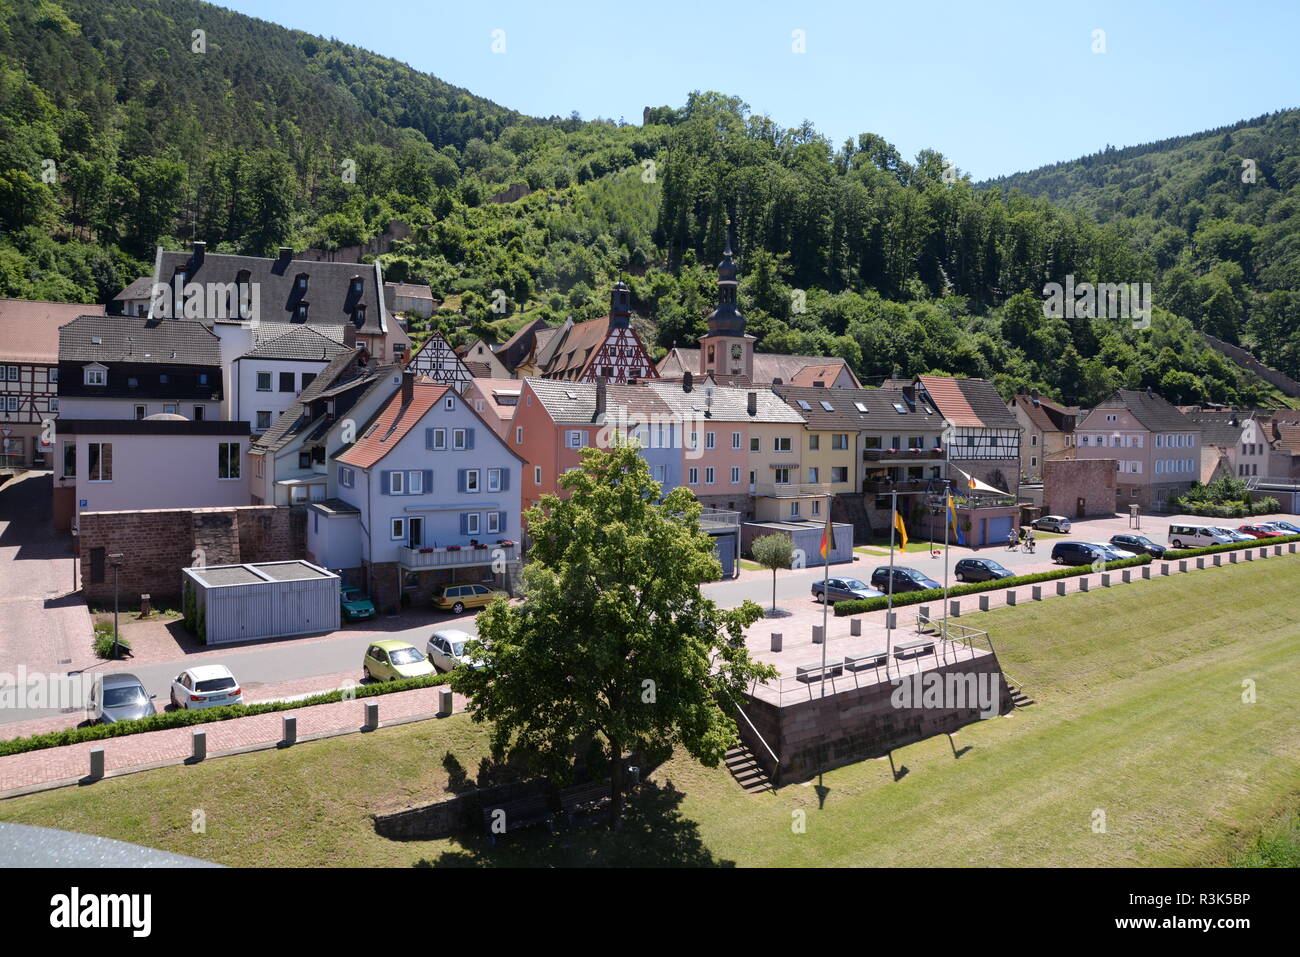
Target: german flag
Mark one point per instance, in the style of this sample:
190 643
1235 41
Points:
902 531
828 538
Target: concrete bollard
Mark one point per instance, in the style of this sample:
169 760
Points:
1125 575
1036 592
1232 558
1216 559
1263 553
1248 555
445 706
819 634
96 763
1146 572
1277 549
984 602
372 715
1164 568
200 743
289 730
1182 565
1060 587
924 613
1291 547
1011 597
855 626
1105 579
891 619
954 609
1200 561
776 641
1083 583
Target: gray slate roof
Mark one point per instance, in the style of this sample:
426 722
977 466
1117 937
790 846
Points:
298 342
844 413
138 340
729 404
1152 411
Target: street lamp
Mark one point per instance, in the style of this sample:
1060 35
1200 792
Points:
116 559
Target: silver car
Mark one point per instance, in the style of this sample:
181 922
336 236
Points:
446 650
119 698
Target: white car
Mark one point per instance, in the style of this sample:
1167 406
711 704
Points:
446 650
206 686
1232 535
1112 552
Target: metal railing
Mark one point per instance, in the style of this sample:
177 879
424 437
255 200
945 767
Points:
902 455
791 490
486 554
718 517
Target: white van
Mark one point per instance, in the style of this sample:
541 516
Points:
1196 536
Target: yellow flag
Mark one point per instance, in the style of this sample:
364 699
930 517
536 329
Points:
902 531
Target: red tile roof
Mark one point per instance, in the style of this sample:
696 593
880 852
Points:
392 424
29 330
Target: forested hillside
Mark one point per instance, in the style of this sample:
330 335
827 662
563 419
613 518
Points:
116 136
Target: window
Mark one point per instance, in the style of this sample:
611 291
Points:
198 413
398 530
227 460
141 411
735 475
816 507
396 483
304 460
449 404
96 377
286 381
169 410
814 442
710 440
573 439
69 459
794 509
781 443
519 435
347 477
537 475
494 523
840 474
264 382
840 441
708 476
735 440
54 375
458 439
415 483
1033 439
101 462
471 523
302 311
494 480
471 480
813 473
871 442
439 439
753 443
263 420
693 477
782 476
1033 461
11 372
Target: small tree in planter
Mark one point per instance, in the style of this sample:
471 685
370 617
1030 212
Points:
773 551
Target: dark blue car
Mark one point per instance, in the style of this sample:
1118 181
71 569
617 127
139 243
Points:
904 579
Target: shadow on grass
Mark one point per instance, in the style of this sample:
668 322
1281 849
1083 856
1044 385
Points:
653 834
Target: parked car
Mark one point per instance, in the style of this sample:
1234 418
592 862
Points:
1052 523
205 686
1138 545
1233 535
1075 553
1197 536
119 697
980 570
905 579
1261 531
356 604
1287 528
843 589
446 650
456 598
1112 553
391 659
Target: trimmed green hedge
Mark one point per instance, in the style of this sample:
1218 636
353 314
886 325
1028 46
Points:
1176 553
181 719
863 605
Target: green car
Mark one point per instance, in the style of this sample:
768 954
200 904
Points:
356 604
390 659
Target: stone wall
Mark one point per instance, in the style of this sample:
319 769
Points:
1065 481
814 734
156 544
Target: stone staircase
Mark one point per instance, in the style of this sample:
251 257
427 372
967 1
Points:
1018 697
744 767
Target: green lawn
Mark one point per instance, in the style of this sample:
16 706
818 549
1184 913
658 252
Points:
877 548
1139 715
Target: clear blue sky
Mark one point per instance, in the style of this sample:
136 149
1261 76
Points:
998 86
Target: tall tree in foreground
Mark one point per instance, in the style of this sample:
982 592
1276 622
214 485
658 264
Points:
773 551
614 642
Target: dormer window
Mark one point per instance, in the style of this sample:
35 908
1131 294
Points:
301 312
96 375
359 316
300 282
356 286
244 293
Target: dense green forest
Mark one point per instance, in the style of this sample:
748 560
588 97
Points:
121 129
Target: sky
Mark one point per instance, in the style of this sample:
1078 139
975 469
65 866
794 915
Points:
998 87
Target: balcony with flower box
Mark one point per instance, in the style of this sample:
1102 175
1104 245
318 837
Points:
459 556
903 455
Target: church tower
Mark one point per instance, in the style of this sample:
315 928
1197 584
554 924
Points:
726 349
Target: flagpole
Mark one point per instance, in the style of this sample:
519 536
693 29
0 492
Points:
826 577
948 518
889 602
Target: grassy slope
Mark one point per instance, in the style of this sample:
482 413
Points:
1139 714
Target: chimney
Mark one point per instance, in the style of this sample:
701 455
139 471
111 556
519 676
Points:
751 403
349 336
200 249
286 253
687 381
600 396
408 387
776 380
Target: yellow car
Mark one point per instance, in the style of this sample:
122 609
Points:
390 660
456 598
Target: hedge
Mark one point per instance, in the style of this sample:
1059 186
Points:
181 719
863 605
1176 553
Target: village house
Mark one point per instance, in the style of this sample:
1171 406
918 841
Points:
437 361
426 494
270 376
984 435
496 400
1047 431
